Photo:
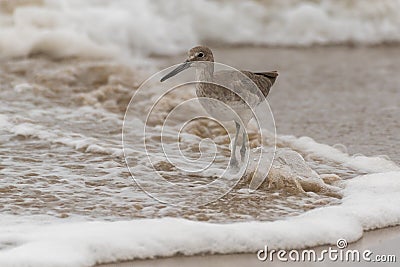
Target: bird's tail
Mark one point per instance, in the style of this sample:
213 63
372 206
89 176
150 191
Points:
271 75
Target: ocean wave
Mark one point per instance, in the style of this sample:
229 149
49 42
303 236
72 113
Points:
98 28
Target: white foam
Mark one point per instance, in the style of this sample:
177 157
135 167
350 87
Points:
358 162
369 202
95 28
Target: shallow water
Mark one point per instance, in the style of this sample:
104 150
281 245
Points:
61 149
61 133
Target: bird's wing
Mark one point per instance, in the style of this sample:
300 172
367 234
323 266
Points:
263 80
271 75
252 87
239 84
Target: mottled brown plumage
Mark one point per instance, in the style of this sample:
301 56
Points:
236 82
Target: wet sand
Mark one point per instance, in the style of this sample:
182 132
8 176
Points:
383 242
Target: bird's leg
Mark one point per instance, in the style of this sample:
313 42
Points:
233 161
243 148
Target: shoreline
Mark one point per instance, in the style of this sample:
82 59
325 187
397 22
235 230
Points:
332 104
384 241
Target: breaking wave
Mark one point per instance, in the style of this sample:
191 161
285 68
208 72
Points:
98 28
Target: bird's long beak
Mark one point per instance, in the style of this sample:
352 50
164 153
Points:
178 69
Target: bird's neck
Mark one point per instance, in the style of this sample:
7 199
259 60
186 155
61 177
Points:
205 73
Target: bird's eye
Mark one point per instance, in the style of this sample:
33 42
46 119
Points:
201 54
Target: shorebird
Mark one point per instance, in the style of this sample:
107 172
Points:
214 86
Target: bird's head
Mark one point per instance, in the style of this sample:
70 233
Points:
196 54
200 53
